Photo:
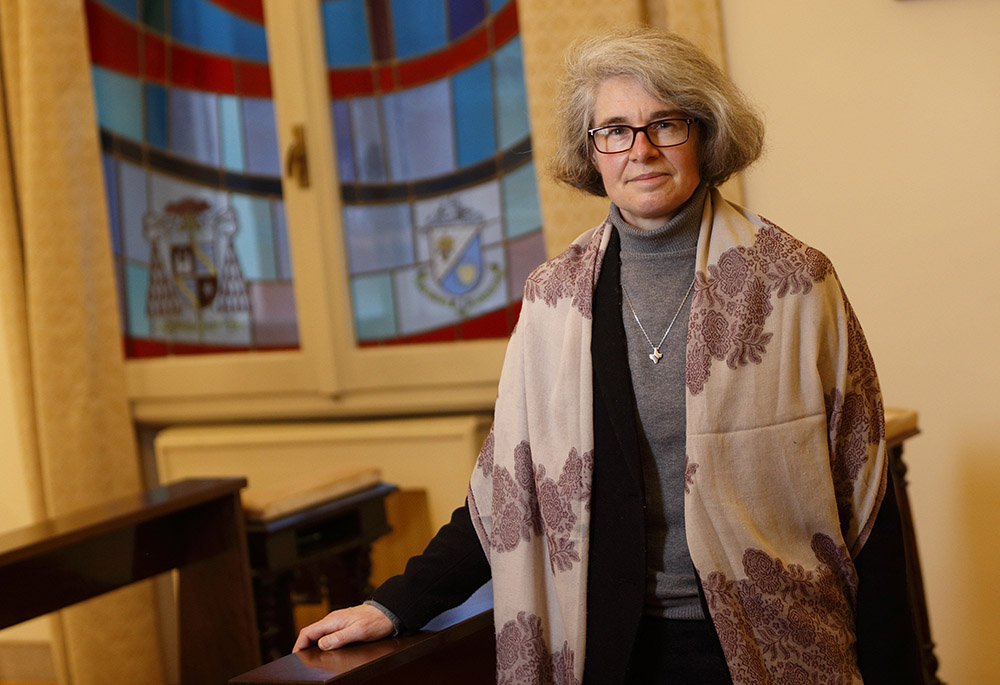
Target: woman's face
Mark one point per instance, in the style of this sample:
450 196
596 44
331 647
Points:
647 183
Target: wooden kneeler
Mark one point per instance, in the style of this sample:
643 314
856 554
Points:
314 531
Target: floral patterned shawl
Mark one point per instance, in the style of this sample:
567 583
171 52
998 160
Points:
786 458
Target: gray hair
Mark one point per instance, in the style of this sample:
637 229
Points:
671 69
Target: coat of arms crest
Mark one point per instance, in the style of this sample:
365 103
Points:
197 292
459 275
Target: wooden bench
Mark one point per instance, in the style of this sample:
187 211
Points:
194 526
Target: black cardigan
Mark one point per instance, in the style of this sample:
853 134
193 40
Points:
454 566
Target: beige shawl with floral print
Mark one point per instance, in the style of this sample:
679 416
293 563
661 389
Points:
785 445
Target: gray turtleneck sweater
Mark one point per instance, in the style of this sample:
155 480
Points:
657 271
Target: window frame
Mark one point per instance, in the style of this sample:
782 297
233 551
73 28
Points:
330 374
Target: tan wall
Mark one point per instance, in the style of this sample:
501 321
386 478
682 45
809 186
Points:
884 130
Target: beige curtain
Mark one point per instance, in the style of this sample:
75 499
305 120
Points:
57 297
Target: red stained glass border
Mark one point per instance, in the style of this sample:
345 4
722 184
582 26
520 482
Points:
501 28
144 348
248 9
122 46
496 324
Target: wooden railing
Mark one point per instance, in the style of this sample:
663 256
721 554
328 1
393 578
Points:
194 526
456 647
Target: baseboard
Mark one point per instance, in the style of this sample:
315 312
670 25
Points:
23 660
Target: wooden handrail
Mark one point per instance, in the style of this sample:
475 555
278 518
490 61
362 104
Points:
456 647
194 526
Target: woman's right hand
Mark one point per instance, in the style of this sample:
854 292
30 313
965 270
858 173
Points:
362 623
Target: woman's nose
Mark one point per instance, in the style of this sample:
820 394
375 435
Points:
642 149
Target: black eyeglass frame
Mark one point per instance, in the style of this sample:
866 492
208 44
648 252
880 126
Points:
635 132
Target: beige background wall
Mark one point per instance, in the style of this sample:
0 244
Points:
884 130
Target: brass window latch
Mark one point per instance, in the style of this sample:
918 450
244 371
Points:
296 160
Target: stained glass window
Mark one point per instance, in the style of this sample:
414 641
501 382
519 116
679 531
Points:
192 175
441 216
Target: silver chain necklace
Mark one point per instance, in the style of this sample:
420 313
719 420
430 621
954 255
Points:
655 356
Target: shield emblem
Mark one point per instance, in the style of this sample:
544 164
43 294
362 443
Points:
456 257
458 274
194 272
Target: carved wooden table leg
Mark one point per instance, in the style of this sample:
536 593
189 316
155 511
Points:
346 577
275 614
918 599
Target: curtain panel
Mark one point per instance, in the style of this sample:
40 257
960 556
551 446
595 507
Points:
60 316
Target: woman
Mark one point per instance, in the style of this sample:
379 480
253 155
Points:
654 506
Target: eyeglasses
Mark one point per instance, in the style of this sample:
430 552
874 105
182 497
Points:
617 138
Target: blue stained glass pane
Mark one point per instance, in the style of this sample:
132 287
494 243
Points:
202 24
136 288
156 115
369 152
261 137
497 4
341 113
129 8
133 205
512 102
254 239
374 311
119 103
283 255
472 90
346 29
231 125
521 211
419 131
194 126
378 237
418 26
464 15
111 191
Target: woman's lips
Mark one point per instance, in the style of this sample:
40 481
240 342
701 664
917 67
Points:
651 176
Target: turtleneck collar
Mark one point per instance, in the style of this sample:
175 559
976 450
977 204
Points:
677 235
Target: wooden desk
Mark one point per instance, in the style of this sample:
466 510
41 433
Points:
194 526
